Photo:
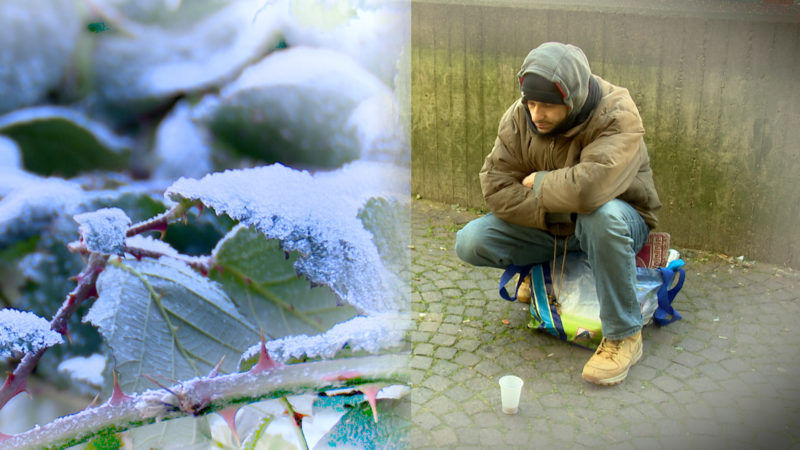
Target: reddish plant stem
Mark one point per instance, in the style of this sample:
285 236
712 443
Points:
86 288
16 381
201 264
159 222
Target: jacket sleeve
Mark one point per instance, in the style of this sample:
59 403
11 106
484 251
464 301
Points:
608 165
502 174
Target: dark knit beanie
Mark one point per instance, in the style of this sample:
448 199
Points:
539 89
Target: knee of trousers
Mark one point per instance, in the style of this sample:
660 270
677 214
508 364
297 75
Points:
606 222
467 245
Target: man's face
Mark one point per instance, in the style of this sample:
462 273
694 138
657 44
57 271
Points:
546 116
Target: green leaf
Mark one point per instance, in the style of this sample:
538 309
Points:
257 124
187 433
261 279
358 430
60 141
162 319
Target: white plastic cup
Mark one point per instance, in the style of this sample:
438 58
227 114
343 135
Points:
510 390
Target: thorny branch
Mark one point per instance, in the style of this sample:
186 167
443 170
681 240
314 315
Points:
16 382
214 393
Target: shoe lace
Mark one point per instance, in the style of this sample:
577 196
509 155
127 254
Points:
608 349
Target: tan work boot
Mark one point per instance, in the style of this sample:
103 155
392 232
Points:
524 290
610 363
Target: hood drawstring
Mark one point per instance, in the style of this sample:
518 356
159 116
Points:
554 300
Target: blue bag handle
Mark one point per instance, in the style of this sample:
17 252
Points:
665 314
508 275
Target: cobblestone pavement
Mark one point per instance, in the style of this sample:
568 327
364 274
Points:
726 376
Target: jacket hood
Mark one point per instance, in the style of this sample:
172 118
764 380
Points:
566 66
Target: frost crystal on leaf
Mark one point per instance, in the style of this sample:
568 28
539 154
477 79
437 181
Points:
315 215
25 211
371 334
161 318
103 231
22 332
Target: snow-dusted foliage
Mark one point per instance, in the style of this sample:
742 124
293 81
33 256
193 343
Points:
173 310
313 215
25 211
154 62
103 231
299 101
22 332
372 334
9 155
35 48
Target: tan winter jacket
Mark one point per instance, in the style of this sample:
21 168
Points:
578 170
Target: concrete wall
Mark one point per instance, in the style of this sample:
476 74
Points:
717 88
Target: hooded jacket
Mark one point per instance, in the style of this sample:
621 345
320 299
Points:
597 155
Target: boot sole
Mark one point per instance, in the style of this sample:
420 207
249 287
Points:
615 380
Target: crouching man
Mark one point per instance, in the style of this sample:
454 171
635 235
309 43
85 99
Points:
570 172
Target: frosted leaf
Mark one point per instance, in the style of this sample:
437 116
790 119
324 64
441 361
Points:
22 332
181 147
38 41
293 107
103 231
260 278
86 369
11 179
315 216
9 154
161 318
150 244
371 334
12 174
27 210
184 433
373 37
60 140
159 62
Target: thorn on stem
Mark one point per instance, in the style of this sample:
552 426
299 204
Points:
22 387
92 292
229 414
215 371
93 402
371 392
264 361
117 397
